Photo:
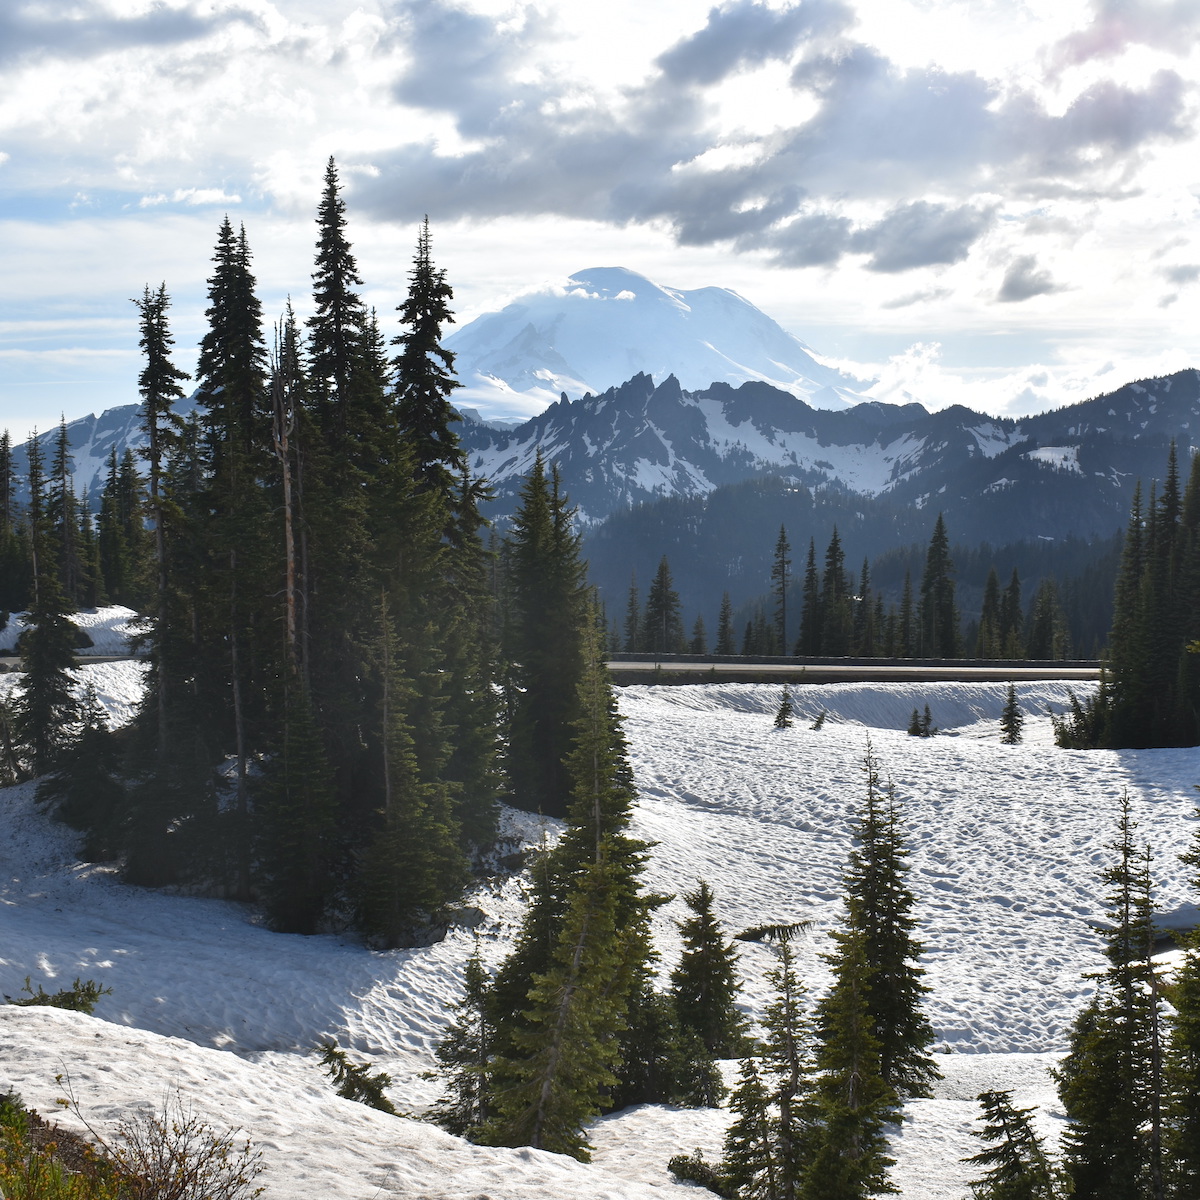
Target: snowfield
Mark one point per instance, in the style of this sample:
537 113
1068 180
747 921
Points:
1007 843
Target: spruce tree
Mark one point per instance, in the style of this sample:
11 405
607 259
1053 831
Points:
879 905
750 1161
780 569
705 986
633 618
1110 1081
1016 1161
662 625
546 582
1181 1099
937 615
850 1159
725 627
810 642
699 642
425 374
989 641
786 710
837 620
464 1055
1012 719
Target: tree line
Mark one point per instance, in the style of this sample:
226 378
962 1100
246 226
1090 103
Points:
837 614
346 667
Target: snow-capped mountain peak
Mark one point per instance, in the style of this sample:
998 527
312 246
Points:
607 324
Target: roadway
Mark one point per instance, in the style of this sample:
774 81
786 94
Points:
699 670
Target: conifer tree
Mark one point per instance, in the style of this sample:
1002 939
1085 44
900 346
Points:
62 512
296 840
750 1164
850 1159
989 641
705 986
84 789
938 617
1016 1161
906 622
864 616
809 643
662 625
633 618
725 627
425 374
546 581
1011 645
1012 719
780 569
879 906
786 710
1110 1082
699 642
837 621
1181 1112
464 1056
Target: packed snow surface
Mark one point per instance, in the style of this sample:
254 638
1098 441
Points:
1007 843
110 629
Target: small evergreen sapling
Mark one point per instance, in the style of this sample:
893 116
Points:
786 710
354 1080
1016 1161
1012 719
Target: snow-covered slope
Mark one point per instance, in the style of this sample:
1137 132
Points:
1007 844
608 323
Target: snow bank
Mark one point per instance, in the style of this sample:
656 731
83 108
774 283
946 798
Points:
110 629
1007 843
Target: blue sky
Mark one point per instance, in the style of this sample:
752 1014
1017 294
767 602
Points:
986 202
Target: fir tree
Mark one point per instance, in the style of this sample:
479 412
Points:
464 1055
989 641
937 615
837 621
1110 1082
1012 719
780 568
810 643
633 618
425 374
1016 1161
786 710
699 642
546 582
850 1159
750 1165
704 986
662 625
725 627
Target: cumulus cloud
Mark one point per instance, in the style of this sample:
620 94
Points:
921 235
748 33
1024 279
878 132
1182 274
920 297
68 29
1168 25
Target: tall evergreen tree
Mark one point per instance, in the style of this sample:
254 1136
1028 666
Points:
546 581
464 1057
633 618
780 570
809 643
1012 719
837 620
705 986
725 627
989 641
1110 1082
937 615
662 623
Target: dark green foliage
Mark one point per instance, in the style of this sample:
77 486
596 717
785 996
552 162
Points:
921 724
786 710
705 986
632 642
694 1168
425 374
937 615
545 579
661 1061
296 846
354 1080
749 1163
662 626
82 996
1012 719
780 569
819 720
1110 1082
850 1160
1016 1162
725 627
85 790
463 1057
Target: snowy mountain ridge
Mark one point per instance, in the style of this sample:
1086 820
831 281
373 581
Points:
608 324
